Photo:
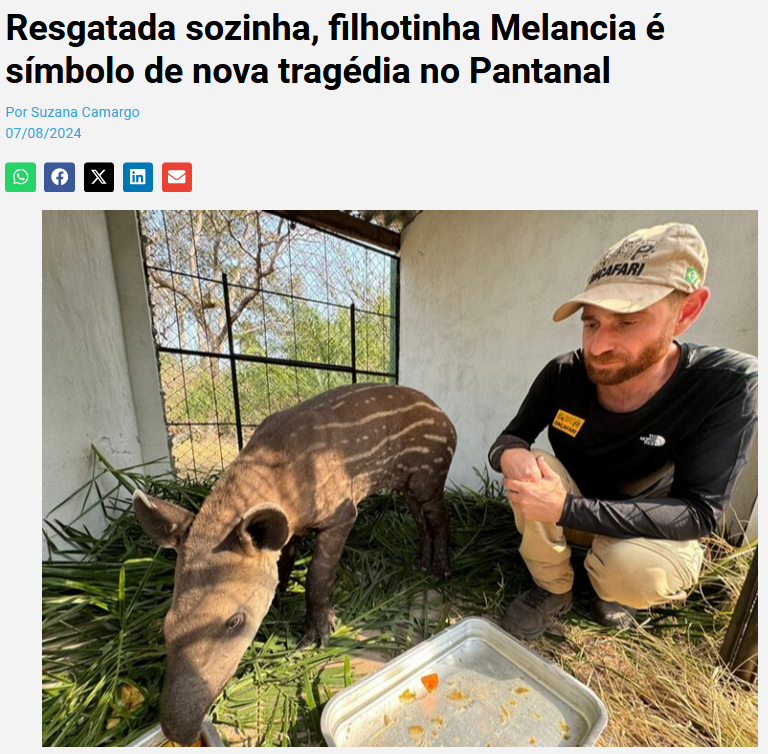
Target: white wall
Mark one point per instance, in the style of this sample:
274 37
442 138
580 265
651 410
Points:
131 281
88 397
478 290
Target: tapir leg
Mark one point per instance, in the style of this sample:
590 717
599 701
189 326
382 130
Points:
426 493
425 535
286 562
436 516
328 546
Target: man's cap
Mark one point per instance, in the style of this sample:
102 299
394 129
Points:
642 268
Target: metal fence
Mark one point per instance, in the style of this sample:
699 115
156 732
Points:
253 314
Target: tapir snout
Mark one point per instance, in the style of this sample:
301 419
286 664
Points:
183 705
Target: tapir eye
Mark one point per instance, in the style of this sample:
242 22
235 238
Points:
235 621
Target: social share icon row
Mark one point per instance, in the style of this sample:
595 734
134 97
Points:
59 177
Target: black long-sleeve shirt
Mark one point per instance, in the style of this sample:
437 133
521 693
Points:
703 420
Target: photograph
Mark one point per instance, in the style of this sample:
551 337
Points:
399 477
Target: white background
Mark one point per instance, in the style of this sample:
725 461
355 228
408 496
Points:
680 124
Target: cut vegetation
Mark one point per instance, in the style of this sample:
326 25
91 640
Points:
104 600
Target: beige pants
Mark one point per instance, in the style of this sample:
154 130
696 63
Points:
634 572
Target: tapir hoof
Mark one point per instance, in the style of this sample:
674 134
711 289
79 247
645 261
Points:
440 567
318 630
438 572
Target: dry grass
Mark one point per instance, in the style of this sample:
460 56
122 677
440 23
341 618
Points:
660 690
664 683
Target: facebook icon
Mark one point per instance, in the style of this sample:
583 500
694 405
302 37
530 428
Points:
137 176
59 176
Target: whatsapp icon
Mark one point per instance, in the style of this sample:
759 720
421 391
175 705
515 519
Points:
20 176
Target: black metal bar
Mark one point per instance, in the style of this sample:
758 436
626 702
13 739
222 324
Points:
739 648
397 321
277 362
265 292
173 423
327 311
293 315
213 371
233 363
266 348
354 348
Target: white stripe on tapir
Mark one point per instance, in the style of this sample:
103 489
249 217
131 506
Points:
374 417
391 438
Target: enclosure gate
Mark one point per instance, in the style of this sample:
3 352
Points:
236 340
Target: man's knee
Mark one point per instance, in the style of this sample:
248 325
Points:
556 465
643 572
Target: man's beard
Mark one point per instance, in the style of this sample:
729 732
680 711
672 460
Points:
627 369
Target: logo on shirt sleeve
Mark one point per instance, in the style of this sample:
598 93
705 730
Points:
567 423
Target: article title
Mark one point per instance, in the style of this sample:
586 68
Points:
341 27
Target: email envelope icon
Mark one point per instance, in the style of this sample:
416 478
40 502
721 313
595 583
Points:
177 176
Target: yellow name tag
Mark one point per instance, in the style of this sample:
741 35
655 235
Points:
567 423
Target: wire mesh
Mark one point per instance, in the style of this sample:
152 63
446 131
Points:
292 291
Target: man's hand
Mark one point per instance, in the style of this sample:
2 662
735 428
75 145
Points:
519 464
542 500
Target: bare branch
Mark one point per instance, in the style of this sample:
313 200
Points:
163 282
244 301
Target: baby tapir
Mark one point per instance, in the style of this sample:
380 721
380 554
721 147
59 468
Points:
305 469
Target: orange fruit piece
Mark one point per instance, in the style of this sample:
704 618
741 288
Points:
430 682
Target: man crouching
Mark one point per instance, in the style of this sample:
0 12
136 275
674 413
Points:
649 437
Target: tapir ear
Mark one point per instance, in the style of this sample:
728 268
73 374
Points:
166 524
264 527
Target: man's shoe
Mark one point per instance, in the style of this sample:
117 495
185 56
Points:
528 616
612 614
